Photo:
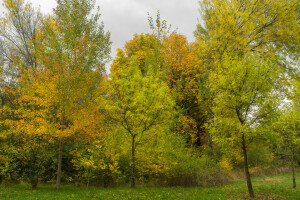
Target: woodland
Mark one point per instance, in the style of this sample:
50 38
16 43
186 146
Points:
168 113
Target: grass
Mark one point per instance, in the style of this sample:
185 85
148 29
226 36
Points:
268 187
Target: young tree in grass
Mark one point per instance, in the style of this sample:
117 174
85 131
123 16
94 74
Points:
244 97
288 129
138 103
287 126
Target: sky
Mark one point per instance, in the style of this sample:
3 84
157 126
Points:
124 18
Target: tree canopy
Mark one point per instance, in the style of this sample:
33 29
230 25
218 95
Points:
169 111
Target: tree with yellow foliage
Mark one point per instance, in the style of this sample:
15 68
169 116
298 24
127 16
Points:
57 99
183 74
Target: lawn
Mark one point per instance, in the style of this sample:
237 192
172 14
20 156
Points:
268 187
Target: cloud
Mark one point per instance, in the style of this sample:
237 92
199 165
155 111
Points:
124 18
46 7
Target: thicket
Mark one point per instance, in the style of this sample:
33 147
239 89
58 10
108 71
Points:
171 112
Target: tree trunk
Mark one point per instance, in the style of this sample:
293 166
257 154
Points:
34 182
247 174
33 174
293 168
59 161
133 163
88 182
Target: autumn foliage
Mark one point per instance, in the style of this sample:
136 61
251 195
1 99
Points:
169 112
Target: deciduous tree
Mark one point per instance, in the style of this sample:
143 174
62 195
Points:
264 30
18 29
58 97
138 103
244 97
288 129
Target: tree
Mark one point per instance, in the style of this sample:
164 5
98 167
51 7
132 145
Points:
83 34
267 27
18 29
138 103
28 130
173 56
287 127
59 96
244 98
145 47
183 74
74 50
265 30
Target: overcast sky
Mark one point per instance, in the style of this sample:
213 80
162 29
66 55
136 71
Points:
123 18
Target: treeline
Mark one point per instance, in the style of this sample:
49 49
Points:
169 113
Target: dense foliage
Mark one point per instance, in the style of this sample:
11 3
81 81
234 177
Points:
170 112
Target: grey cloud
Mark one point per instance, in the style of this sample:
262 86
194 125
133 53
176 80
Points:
123 18
181 14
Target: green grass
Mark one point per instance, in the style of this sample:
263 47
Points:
268 187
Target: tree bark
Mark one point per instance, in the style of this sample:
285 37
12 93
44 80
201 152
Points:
247 174
59 162
88 182
34 182
293 168
133 162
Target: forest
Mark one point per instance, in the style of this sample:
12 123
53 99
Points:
168 112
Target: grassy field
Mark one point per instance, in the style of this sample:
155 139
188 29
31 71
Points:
268 187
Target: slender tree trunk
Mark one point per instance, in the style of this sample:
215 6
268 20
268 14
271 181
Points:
133 163
209 145
293 168
34 182
88 182
33 175
247 174
59 161
210 116
2 103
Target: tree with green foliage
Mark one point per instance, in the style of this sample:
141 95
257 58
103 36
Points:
267 27
244 98
232 36
138 103
288 130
